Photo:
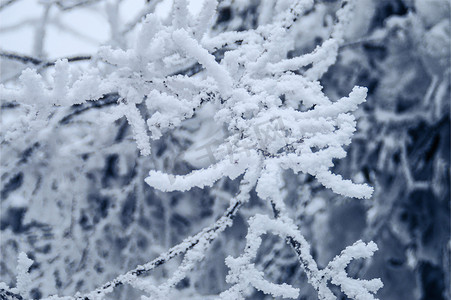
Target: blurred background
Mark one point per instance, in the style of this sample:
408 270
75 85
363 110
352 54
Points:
85 215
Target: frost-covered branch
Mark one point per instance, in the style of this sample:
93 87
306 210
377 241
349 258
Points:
243 272
203 238
23 280
273 111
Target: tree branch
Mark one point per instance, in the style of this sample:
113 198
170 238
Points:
64 6
6 3
208 233
295 244
8 295
106 100
25 59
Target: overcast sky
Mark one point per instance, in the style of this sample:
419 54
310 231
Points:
80 31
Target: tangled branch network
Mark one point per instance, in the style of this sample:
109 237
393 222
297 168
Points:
253 83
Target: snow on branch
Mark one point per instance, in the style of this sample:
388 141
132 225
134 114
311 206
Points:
243 272
353 288
193 49
203 239
231 168
23 280
274 112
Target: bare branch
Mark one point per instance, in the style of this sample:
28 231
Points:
70 4
6 3
25 59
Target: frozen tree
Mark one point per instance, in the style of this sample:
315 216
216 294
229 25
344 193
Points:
183 124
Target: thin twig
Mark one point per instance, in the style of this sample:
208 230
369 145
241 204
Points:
8 295
25 59
150 8
298 246
6 3
207 233
106 100
64 6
